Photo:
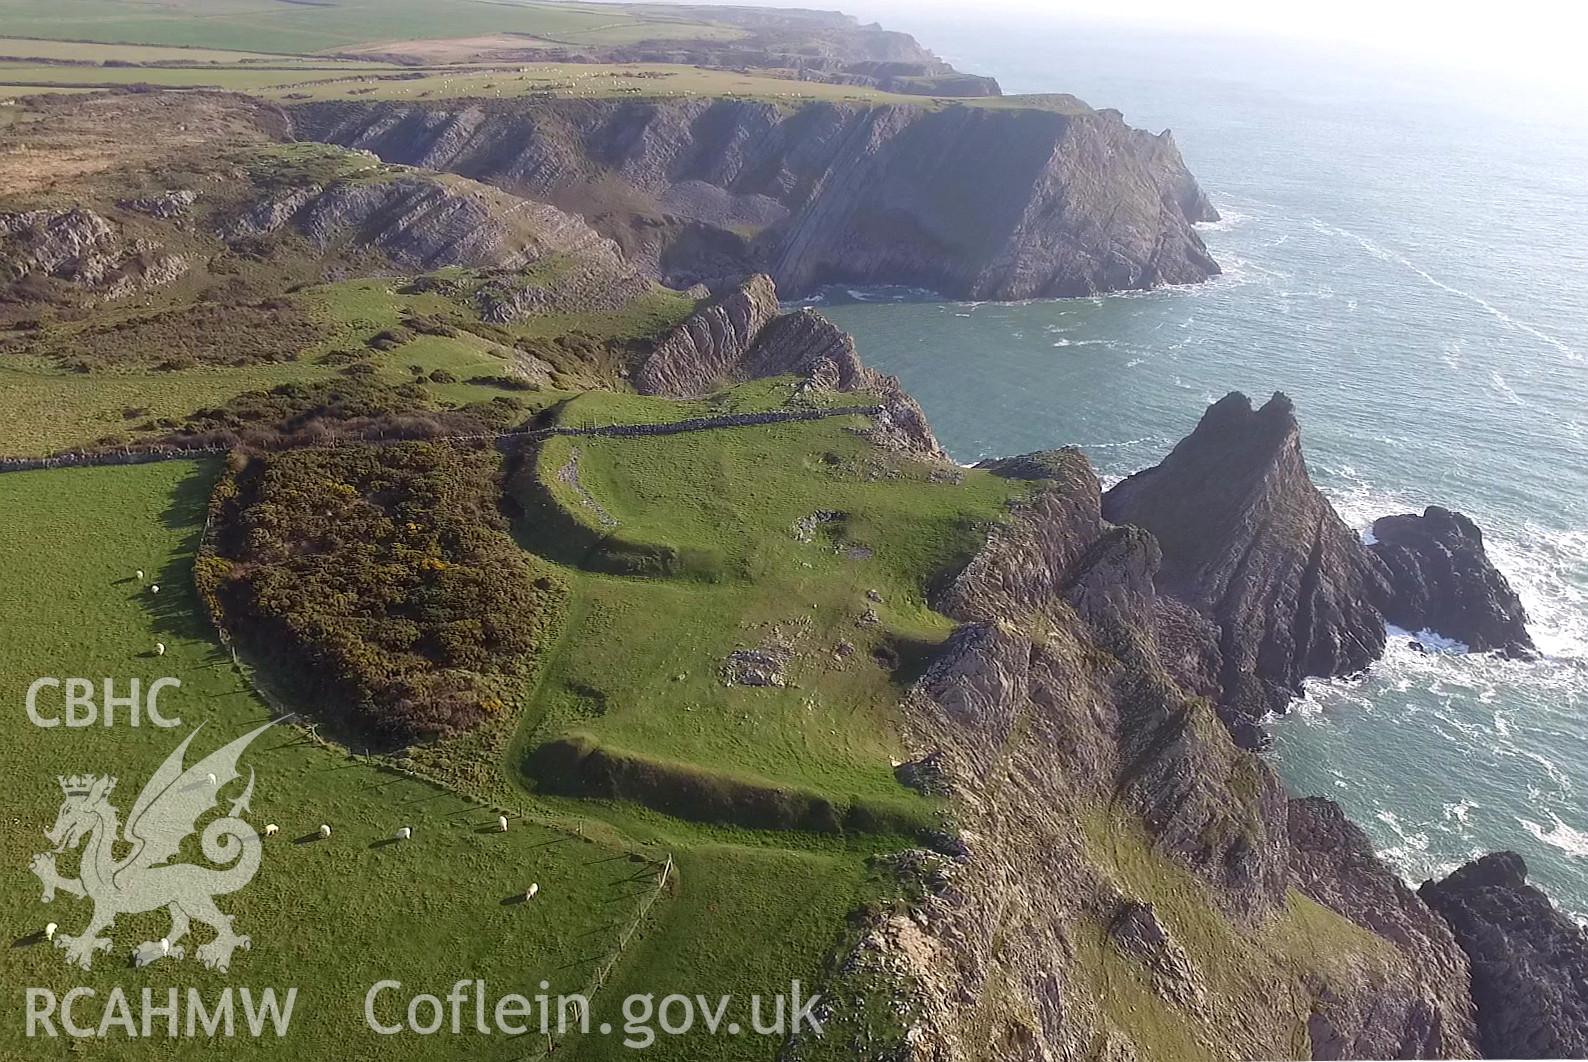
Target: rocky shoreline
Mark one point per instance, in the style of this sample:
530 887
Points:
1116 653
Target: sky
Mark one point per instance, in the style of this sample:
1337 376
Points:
1531 40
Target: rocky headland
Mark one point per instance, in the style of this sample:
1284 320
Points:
1127 881
1050 198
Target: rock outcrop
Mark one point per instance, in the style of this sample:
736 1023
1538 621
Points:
424 222
709 348
1441 580
84 249
1529 961
1047 199
1332 861
1121 868
741 335
1253 546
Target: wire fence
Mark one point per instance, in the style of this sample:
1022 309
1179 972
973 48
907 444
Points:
598 980
310 731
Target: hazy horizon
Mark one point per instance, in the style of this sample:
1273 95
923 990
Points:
1536 44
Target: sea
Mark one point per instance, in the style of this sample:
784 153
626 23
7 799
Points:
1405 254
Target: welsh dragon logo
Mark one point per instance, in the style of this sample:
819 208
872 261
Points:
165 814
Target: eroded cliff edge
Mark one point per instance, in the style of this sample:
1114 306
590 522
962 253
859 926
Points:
1126 882
1123 880
1053 198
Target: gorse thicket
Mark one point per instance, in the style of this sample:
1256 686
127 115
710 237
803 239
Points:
384 579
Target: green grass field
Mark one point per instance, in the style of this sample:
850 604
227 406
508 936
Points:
331 917
56 409
308 82
641 668
302 28
327 917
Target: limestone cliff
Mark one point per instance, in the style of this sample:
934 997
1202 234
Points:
741 335
422 221
977 202
1252 545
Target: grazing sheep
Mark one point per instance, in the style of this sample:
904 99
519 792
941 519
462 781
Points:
49 931
154 588
271 829
501 823
165 946
159 648
210 778
140 575
325 831
404 833
529 893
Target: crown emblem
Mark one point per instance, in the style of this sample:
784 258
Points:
81 784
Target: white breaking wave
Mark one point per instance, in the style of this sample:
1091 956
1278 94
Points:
1228 219
1557 834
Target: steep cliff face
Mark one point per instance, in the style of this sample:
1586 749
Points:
995 203
84 249
1252 545
425 222
741 335
1332 861
1529 961
1441 580
1126 884
709 348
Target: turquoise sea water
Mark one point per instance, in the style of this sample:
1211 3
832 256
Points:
1407 257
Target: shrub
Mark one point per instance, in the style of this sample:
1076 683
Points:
383 579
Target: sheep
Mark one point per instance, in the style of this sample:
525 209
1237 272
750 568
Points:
404 833
159 648
210 778
154 588
165 946
529 893
49 931
501 823
271 829
325 831
140 575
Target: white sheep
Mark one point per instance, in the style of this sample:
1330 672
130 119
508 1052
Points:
154 588
140 575
49 931
165 946
529 893
159 648
325 831
404 833
501 823
271 829
210 778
